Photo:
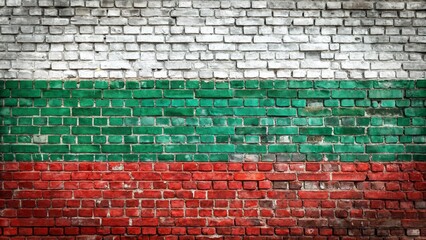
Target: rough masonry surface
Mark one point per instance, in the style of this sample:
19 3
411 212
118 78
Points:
193 120
60 39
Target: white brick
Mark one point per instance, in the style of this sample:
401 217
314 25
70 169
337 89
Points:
89 38
390 5
253 47
222 47
120 38
267 39
314 64
385 65
150 38
177 65
209 38
314 47
285 64
238 39
190 21
251 64
115 65
180 39
355 65
250 21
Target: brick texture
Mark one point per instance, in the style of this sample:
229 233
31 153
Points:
192 39
220 200
192 120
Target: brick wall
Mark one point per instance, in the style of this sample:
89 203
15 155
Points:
213 200
224 120
56 39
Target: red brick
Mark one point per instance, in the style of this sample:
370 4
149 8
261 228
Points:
147 176
384 195
63 176
313 167
214 176
282 222
348 176
115 222
313 194
221 194
32 222
387 176
313 176
26 176
346 195
249 176
281 176
176 176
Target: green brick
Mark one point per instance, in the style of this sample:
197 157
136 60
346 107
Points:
388 103
349 131
54 148
117 94
101 84
314 112
22 112
214 112
415 131
116 85
86 94
349 94
147 148
250 111
116 112
250 149
181 148
316 131
24 148
300 84
266 84
388 148
349 148
421 83
281 102
214 93
177 84
416 93
27 93
282 148
178 93
26 84
250 93
283 130
115 148
147 112
55 130
86 112
250 130
385 131
348 112
326 84
416 148
394 84
148 93
356 84
55 112
282 93
385 93
282 112
116 130
25 130
314 94
179 130
178 112
215 130
162 84
56 93
310 148
86 130
147 130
